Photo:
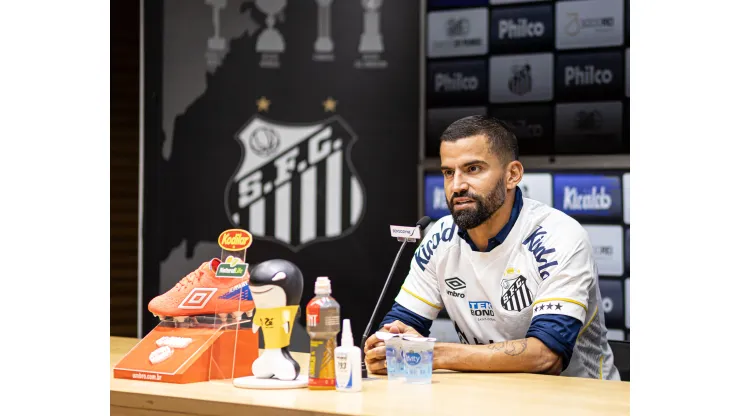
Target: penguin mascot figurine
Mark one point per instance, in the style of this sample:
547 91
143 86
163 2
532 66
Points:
277 287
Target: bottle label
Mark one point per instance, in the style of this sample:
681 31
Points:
319 318
344 371
321 365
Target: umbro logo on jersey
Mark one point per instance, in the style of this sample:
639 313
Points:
455 283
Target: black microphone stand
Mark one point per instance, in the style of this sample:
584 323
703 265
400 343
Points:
377 305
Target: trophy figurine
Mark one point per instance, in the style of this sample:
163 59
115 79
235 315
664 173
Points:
276 287
371 40
323 42
270 40
216 43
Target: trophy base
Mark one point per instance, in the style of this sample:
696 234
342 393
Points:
371 44
252 382
323 45
217 44
270 41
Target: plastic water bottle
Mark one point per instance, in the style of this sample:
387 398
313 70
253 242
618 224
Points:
322 324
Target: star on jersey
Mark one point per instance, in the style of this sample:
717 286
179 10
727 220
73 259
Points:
548 306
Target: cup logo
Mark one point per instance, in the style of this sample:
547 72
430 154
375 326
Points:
413 358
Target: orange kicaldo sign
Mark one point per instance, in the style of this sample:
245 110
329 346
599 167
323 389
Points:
235 240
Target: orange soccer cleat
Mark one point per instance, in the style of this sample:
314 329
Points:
202 293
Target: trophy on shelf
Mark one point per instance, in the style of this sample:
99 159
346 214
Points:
270 40
371 40
323 42
216 44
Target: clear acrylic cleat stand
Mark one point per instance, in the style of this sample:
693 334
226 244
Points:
218 346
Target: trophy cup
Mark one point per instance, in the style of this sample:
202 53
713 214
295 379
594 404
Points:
371 40
323 42
216 44
270 40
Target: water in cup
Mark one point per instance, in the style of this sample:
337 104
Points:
393 355
418 354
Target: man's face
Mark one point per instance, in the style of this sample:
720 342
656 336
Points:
474 180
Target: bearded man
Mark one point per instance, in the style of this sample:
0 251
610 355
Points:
516 276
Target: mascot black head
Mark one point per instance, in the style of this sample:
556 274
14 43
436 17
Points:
276 283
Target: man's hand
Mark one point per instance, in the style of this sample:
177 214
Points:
375 348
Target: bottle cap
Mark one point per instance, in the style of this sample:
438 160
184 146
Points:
322 286
347 339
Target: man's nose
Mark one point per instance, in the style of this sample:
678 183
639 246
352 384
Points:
458 183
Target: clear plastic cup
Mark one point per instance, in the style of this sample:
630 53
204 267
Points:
418 355
393 355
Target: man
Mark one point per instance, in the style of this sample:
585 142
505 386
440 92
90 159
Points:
516 276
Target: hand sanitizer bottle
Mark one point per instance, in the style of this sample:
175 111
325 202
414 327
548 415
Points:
348 362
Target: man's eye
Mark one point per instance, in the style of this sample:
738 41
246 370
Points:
473 169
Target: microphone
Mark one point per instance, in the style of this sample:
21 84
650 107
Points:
404 234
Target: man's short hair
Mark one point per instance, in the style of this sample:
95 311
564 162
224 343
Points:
501 138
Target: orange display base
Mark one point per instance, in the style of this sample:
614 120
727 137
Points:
210 356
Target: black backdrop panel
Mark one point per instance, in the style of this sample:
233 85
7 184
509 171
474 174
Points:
218 111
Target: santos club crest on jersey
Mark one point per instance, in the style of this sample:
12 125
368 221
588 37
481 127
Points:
515 295
296 183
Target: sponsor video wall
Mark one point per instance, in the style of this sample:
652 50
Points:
599 200
557 71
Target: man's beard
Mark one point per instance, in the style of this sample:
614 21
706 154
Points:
470 218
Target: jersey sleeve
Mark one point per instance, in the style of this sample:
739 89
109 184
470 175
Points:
420 290
565 292
421 324
561 303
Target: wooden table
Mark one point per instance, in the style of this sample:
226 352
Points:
450 393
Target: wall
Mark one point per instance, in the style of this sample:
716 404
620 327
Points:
124 172
234 121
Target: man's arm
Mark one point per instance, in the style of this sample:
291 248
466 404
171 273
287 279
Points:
559 313
421 324
527 355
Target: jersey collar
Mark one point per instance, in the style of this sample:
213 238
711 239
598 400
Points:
499 238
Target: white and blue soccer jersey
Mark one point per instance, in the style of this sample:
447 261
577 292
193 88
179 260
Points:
538 280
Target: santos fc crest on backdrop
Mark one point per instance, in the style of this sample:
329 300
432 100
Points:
296 183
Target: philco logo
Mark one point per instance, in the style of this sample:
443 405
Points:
587 75
520 29
536 247
455 82
235 240
598 200
424 252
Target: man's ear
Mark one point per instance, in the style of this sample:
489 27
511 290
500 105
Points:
514 173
